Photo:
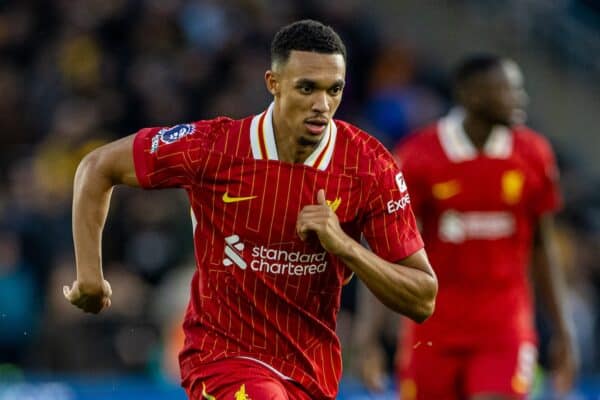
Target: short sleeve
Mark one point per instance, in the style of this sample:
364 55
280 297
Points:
547 197
167 157
390 227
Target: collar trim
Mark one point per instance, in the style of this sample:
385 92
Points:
264 147
458 147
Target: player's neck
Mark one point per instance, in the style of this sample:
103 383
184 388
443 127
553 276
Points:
478 130
289 149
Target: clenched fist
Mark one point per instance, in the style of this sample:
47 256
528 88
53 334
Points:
89 297
322 220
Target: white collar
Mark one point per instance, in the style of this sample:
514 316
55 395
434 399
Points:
264 147
457 145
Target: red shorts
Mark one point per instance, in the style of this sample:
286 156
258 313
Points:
429 372
237 379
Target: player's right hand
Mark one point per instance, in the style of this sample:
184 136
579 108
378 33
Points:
90 298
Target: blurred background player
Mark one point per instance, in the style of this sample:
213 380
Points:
484 187
279 202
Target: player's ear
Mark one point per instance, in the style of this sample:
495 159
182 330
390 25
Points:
272 82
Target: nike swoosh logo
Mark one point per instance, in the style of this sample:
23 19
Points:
227 199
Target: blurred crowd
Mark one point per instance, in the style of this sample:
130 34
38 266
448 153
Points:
76 74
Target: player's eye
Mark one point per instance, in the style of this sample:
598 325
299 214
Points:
336 90
305 89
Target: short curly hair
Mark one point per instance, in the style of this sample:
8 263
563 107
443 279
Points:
305 35
474 65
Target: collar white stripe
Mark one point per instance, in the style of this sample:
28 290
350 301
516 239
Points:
254 137
500 143
327 144
325 148
329 151
269 135
458 147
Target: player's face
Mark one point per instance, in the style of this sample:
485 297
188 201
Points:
308 90
502 97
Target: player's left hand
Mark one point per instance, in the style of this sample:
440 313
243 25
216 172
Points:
564 363
322 220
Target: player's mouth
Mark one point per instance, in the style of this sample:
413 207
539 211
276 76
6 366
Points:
316 126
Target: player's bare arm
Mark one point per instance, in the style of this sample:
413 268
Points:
550 282
96 175
408 287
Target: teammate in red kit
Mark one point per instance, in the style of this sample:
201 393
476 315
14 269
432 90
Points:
279 202
484 186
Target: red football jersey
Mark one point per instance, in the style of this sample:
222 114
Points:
478 212
259 291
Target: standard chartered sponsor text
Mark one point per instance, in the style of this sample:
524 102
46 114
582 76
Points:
282 262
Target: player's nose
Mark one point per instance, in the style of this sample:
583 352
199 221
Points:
320 103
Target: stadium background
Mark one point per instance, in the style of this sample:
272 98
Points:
76 74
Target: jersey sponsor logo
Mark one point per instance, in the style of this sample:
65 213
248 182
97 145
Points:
512 186
395 205
229 199
241 394
274 261
457 227
400 182
282 262
334 204
445 190
233 252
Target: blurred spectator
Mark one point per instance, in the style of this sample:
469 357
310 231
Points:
71 341
19 303
17 133
398 102
167 311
